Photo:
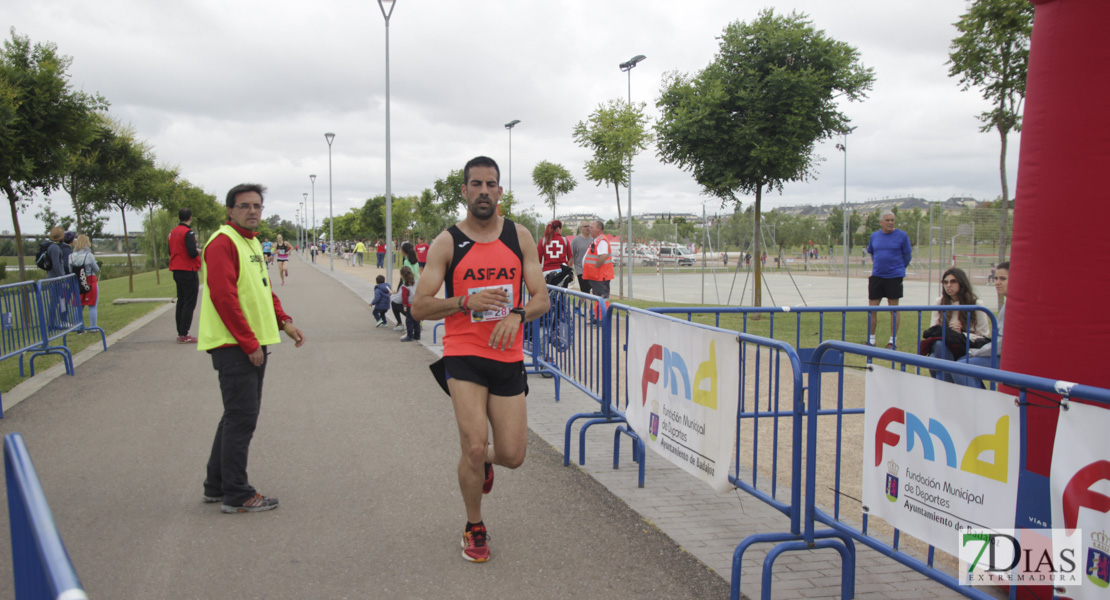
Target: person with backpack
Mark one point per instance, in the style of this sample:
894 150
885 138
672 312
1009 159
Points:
82 259
54 263
185 266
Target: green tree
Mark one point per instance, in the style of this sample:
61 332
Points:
129 183
431 218
42 120
448 193
992 54
749 121
373 216
615 132
553 180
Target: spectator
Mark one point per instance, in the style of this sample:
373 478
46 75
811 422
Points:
379 250
184 264
578 247
981 356
381 300
890 255
957 290
82 258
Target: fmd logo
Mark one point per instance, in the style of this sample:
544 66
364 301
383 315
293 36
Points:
676 374
917 434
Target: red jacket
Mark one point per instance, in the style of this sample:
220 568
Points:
222 277
184 255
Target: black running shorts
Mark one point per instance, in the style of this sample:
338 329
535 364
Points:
884 287
500 378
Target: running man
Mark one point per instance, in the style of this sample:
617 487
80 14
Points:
485 260
268 251
282 250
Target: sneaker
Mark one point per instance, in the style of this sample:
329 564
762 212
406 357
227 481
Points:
381 324
257 503
890 346
212 499
186 339
474 544
406 339
399 328
487 485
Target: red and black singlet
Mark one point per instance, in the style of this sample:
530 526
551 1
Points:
476 266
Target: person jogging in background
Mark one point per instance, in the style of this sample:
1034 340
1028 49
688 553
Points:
184 264
239 317
890 255
268 251
486 262
421 252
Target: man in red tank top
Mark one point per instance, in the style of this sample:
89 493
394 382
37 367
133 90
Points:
485 261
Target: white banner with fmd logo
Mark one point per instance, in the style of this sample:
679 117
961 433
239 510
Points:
683 385
1080 482
938 457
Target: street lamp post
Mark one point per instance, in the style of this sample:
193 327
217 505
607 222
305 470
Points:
388 184
331 214
844 207
298 225
510 126
304 215
313 178
627 68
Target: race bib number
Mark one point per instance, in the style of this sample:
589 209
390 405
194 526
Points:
495 314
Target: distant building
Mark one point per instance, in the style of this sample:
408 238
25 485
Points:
821 213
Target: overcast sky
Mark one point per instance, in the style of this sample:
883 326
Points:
231 92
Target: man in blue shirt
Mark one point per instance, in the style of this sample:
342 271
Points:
890 255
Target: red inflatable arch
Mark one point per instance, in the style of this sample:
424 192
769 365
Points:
1057 323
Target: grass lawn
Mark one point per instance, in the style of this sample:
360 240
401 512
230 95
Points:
112 318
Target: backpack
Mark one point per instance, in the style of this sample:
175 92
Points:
82 277
42 259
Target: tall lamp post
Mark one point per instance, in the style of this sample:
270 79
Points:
331 215
313 178
844 207
298 225
510 126
304 215
627 68
388 184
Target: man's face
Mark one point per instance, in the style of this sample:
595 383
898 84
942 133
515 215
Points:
1001 280
482 192
585 229
887 223
247 211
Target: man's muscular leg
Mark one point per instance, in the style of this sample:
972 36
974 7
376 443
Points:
471 401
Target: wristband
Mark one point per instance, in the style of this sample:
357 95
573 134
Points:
465 302
460 303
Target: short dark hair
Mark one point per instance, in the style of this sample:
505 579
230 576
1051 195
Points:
184 214
379 279
243 188
480 161
1003 265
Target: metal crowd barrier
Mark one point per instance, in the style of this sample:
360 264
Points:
846 533
33 314
41 566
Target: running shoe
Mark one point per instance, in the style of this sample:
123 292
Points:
399 328
212 499
487 485
406 339
257 503
474 544
186 339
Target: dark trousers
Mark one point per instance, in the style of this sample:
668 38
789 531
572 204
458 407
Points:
241 386
188 285
583 285
398 311
379 314
412 326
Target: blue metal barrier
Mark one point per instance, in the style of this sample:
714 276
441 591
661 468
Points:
846 532
40 563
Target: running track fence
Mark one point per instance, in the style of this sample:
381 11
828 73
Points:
40 563
35 314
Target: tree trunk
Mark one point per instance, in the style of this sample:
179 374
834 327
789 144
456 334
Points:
757 255
1005 200
620 221
14 200
154 248
127 248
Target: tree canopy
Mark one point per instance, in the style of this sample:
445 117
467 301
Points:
750 120
992 54
553 180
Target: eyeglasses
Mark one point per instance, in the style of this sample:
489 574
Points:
257 207
948 281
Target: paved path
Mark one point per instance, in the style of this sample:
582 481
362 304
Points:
360 445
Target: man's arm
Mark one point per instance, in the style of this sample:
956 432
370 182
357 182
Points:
191 244
504 332
907 249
